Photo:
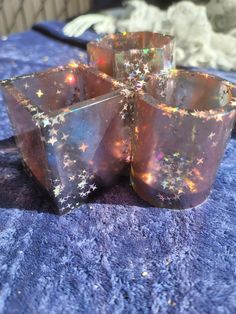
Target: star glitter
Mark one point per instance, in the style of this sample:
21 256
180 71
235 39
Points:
52 140
64 137
161 197
200 161
53 131
211 135
57 190
39 93
72 178
83 147
46 122
132 65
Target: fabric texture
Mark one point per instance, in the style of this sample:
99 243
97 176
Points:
55 30
205 35
115 254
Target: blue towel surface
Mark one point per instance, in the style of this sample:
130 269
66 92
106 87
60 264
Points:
116 254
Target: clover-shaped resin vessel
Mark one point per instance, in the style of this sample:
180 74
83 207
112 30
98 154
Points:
68 129
182 124
132 55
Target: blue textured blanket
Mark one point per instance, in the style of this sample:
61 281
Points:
115 254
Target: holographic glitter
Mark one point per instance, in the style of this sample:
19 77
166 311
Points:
130 58
69 130
179 140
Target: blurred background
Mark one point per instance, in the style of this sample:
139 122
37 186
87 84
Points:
204 30
18 15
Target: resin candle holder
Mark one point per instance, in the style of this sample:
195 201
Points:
131 58
182 124
69 130
234 99
132 55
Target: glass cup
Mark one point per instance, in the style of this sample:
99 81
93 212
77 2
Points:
69 130
182 122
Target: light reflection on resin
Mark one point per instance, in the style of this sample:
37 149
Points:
182 122
131 58
122 55
69 130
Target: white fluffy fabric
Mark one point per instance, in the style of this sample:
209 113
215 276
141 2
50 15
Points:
205 35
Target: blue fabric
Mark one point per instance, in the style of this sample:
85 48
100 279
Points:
115 254
55 29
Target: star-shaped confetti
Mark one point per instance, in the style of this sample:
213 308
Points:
72 178
39 93
200 161
211 135
57 190
83 147
46 122
52 140
64 136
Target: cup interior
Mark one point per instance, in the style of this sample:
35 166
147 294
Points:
192 91
135 40
62 87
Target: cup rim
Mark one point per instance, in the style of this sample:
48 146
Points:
211 113
70 66
99 42
43 114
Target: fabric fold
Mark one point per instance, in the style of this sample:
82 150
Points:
54 29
